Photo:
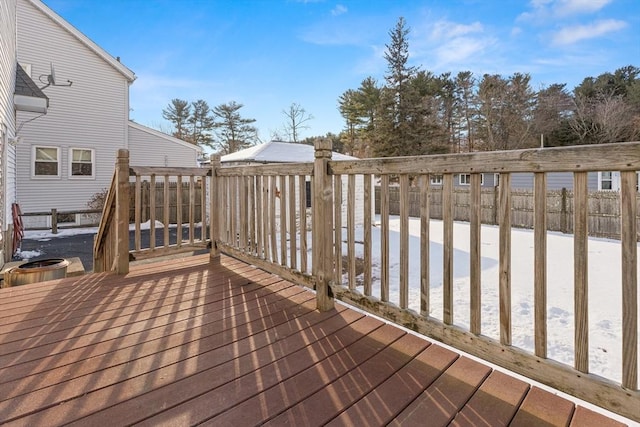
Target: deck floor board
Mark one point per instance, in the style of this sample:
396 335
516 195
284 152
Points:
186 342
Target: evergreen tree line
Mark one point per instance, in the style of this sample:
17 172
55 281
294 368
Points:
221 128
224 129
418 112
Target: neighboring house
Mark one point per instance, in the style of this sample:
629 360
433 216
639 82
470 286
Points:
284 152
149 147
67 156
18 93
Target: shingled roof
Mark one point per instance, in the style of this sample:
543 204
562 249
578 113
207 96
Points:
27 87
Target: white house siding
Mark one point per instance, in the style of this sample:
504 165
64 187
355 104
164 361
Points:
555 181
148 147
91 113
7 117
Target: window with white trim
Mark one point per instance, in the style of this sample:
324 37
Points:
81 163
605 181
46 162
436 179
465 179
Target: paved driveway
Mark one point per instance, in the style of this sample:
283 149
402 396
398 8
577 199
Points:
81 245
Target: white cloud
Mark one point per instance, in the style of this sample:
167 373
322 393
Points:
445 44
574 7
448 30
570 35
543 10
457 50
339 10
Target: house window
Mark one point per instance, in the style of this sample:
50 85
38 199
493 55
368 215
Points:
605 181
81 163
465 179
46 161
496 180
436 179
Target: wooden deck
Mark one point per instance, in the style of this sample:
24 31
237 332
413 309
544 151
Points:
183 342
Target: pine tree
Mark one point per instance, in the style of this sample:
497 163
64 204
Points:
201 124
178 112
394 135
233 132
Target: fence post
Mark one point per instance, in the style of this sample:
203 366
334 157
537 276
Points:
322 239
122 212
54 221
214 206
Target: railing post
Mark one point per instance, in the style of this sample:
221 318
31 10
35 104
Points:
214 209
322 225
122 212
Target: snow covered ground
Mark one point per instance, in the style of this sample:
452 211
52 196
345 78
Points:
605 301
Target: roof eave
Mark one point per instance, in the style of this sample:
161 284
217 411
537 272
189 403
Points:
31 104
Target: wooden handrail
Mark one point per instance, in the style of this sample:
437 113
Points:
111 243
261 221
135 186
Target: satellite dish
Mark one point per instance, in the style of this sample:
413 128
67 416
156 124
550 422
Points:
51 79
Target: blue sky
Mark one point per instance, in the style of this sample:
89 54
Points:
268 54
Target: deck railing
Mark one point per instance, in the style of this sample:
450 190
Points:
172 225
261 214
264 220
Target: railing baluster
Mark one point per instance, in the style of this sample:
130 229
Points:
293 247
447 248
165 210
265 217
424 244
540 262
302 184
384 238
138 212
368 197
351 229
404 241
203 210
337 215
581 268
214 208
179 211
152 212
283 221
258 217
242 219
504 258
272 218
225 218
629 212
474 255
192 207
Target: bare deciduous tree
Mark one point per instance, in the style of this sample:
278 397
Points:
297 119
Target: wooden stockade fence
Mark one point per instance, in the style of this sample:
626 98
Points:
603 208
159 202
